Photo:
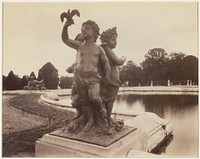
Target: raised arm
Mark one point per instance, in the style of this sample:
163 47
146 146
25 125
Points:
105 64
65 37
112 57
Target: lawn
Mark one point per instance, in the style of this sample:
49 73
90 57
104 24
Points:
25 120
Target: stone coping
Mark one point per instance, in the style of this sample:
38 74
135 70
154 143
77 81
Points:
142 90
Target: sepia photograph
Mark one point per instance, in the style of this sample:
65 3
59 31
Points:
100 79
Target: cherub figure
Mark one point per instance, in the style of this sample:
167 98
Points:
75 97
87 77
109 42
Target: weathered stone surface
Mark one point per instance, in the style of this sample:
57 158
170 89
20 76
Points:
51 96
54 146
149 133
95 136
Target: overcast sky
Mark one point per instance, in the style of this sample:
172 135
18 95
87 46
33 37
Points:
32 31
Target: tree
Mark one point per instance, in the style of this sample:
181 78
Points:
18 81
190 68
4 82
175 64
24 81
32 74
50 76
66 82
156 54
154 67
176 56
131 73
11 81
183 68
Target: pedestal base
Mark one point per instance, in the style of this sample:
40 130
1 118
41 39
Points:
151 130
51 145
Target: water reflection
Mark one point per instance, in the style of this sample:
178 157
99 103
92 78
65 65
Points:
128 104
159 104
180 110
161 148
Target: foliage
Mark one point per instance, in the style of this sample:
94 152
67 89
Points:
190 68
175 65
183 67
161 67
154 67
66 82
32 74
12 81
131 73
4 82
157 66
24 82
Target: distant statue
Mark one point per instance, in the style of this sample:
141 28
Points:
188 82
87 75
168 82
34 84
109 42
151 83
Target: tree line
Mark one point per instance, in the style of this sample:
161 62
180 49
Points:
48 73
158 67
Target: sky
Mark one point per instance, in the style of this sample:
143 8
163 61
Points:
32 31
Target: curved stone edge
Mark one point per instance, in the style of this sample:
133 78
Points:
161 90
56 103
155 128
142 90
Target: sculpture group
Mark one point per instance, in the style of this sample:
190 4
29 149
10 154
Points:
96 76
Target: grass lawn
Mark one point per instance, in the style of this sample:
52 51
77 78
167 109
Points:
25 120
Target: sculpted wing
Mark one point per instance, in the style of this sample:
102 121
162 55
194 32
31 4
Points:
75 12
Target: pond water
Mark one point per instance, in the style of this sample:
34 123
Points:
180 110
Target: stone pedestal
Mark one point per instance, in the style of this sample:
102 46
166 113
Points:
57 145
